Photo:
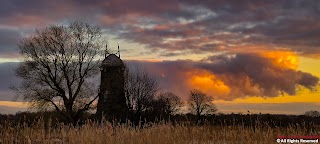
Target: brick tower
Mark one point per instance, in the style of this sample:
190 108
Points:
112 101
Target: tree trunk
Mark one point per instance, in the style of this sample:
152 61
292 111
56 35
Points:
70 114
198 117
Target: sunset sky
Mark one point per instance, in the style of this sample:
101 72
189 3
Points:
261 56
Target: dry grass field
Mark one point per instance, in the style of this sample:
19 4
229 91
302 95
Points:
150 134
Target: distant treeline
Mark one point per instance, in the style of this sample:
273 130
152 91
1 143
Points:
254 120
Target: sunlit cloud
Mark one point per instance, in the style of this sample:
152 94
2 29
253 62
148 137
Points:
207 82
239 75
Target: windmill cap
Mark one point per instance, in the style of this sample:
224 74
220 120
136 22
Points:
112 60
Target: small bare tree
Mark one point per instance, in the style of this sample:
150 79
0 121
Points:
200 103
169 103
58 64
140 90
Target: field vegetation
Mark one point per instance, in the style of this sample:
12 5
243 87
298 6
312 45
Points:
32 128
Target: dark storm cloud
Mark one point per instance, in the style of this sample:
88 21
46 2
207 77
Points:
32 13
197 26
293 24
247 72
15 11
244 74
170 74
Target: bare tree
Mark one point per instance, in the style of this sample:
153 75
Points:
169 103
140 90
58 64
200 103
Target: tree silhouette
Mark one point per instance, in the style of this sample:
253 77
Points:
59 62
200 103
169 103
140 91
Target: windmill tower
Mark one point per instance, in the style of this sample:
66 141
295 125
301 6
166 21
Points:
112 101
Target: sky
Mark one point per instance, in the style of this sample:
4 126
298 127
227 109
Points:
261 56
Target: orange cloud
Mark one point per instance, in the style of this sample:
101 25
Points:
261 72
207 82
284 59
229 76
